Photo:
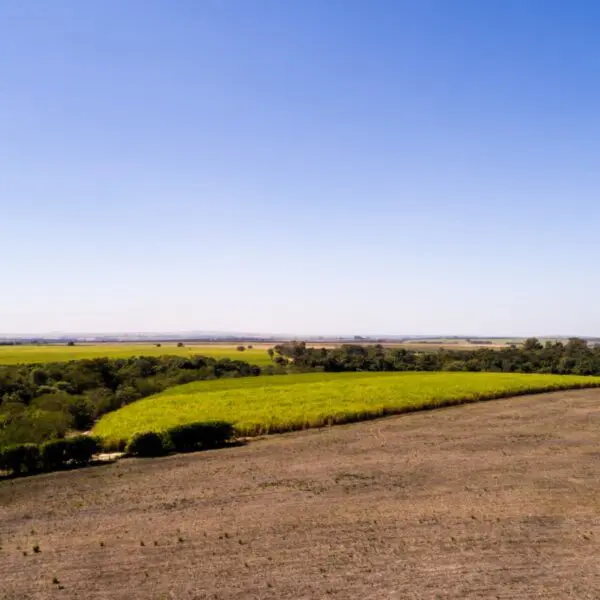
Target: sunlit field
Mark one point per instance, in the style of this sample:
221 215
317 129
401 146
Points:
266 404
59 353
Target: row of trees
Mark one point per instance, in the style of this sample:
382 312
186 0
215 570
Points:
80 450
20 459
43 402
182 438
573 357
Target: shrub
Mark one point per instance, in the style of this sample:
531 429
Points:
20 458
64 386
53 455
82 411
81 448
126 395
148 444
38 376
36 426
199 436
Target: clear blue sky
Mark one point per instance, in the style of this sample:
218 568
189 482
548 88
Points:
307 166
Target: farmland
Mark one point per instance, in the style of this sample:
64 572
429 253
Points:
489 500
59 353
282 403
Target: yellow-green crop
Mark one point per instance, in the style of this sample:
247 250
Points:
287 402
60 353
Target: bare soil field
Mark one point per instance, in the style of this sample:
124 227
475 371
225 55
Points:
493 500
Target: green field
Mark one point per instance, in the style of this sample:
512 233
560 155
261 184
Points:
51 353
286 402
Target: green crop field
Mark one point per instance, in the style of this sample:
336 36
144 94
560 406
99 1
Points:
279 403
55 353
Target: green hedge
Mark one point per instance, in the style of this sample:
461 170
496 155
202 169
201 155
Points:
149 444
200 436
21 459
82 448
183 438
53 455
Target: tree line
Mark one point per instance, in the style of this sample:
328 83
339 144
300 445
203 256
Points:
41 402
574 357
80 450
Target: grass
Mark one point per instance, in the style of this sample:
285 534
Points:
59 353
266 404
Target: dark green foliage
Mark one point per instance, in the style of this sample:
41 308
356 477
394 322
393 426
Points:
200 436
39 377
82 411
54 455
81 448
20 458
42 402
575 357
31 424
149 444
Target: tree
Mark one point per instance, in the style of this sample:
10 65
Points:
39 377
532 345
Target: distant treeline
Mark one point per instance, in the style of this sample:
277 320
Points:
574 357
40 402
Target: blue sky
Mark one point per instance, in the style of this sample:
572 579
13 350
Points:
308 166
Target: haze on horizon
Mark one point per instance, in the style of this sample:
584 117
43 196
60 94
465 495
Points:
353 167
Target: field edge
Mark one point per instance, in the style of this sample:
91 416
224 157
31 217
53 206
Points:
434 403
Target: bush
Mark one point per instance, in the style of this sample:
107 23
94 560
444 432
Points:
81 449
148 444
20 458
200 436
54 455
64 386
32 425
82 411
50 456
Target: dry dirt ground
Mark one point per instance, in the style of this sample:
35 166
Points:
492 500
